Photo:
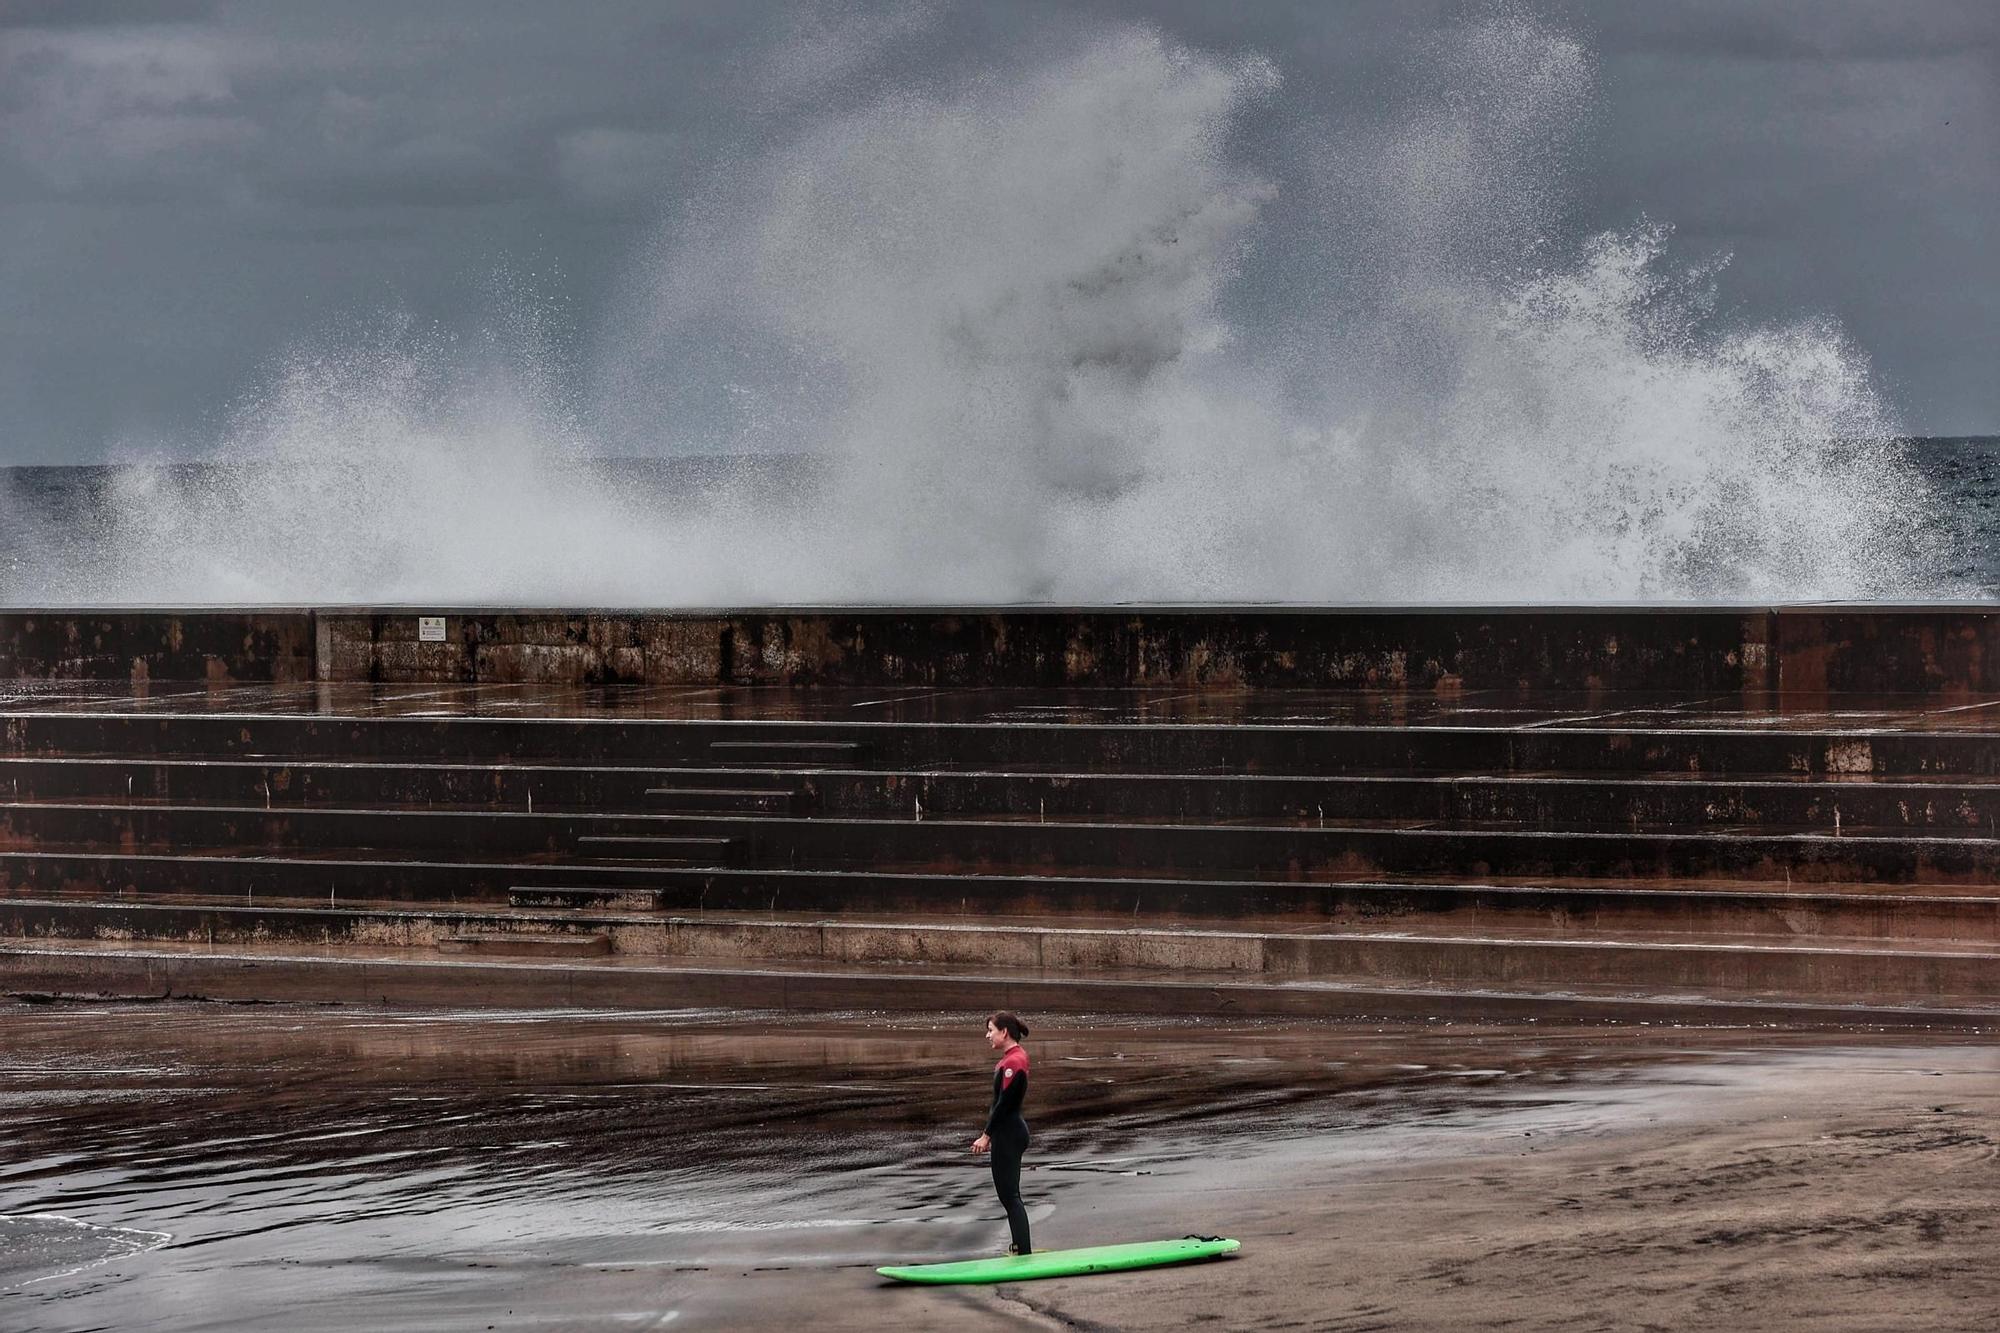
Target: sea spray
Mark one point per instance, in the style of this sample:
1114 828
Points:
1019 286
1050 339
1022 290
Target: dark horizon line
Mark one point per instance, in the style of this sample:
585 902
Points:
801 456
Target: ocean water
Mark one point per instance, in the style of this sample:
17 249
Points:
1966 473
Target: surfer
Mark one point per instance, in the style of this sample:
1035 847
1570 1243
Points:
1006 1135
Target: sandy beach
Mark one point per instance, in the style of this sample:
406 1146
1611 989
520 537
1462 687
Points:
198 1166
1846 1188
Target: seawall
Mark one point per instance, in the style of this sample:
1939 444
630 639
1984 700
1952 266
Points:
1755 651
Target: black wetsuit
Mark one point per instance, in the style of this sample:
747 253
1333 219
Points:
1009 1133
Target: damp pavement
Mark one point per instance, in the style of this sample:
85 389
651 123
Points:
198 1166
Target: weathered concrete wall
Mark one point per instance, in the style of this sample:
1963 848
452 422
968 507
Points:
1747 650
1610 649
223 646
1750 651
1848 649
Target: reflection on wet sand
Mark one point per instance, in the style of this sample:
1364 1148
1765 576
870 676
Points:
322 1168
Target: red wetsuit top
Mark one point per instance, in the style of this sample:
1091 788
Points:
1010 1089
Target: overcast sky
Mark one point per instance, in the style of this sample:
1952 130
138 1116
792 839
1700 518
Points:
187 189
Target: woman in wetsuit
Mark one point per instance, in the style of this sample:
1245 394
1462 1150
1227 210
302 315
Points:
1006 1135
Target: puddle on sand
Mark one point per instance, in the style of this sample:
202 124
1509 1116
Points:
196 1167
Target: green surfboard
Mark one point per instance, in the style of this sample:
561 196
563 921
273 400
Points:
1066 1263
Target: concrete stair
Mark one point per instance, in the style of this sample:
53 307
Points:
1920 911
370 977
1674 853
1684 975
526 944
600 899
1356 847
658 848
1760 747
1604 800
734 800
1348 846
788 752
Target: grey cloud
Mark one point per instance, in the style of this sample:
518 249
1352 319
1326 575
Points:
608 165
429 171
820 47
187 188
1808 31
101 13
84 101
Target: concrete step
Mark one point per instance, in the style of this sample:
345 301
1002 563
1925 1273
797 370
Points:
1753 745
26 825
691 850
788 751
1713 965
374 977
336 872
1351 847
1579 907
761 800
1848 972
509 944
1539 800
777 779
726 801
298 782
1533 800
597 899
1798 909
1356 849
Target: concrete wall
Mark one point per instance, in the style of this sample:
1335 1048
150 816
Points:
1751 651
1050 648
224 646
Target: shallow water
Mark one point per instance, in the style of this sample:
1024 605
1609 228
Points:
246 1167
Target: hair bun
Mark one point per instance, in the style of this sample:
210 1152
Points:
1010 1023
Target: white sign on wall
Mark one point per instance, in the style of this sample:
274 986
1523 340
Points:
430 629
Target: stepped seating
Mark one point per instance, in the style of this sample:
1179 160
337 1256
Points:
662 849
1544 849
526 944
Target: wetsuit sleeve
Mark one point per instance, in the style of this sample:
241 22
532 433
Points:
1008 1094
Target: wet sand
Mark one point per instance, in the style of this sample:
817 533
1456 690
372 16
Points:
201 1166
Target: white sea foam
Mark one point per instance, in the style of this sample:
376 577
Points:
42 1247
1055 342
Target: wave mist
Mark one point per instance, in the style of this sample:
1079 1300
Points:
1056 334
